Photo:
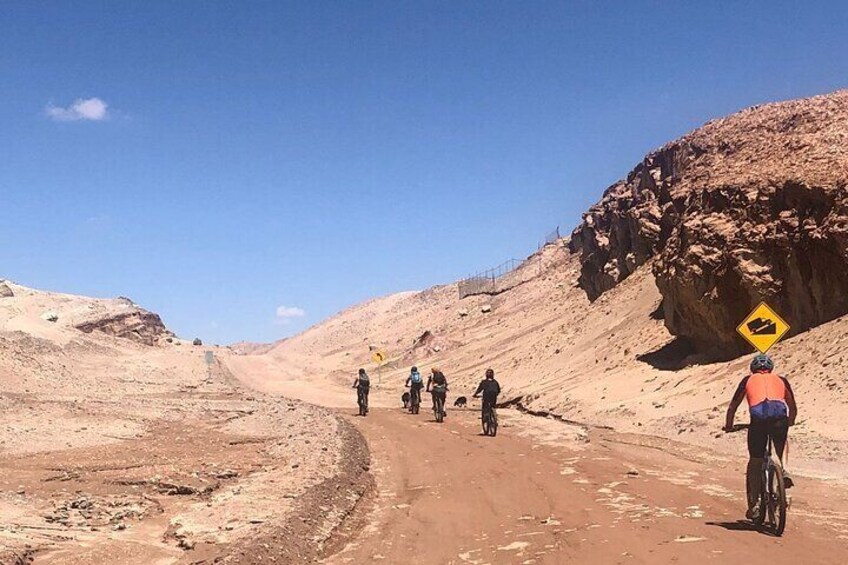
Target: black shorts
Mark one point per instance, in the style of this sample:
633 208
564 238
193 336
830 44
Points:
759 432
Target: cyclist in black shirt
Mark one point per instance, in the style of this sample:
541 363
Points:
439 385
490 388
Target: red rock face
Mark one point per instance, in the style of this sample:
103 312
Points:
748 208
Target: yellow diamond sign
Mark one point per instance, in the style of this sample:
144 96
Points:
763 328
378 357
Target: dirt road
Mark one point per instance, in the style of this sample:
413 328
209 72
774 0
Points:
546 492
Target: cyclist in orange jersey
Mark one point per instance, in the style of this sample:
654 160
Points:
772 407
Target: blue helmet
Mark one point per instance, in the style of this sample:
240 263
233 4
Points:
762 363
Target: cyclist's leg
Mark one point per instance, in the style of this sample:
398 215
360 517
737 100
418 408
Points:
757 438
779 430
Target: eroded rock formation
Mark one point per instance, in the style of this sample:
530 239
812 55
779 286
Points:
747 208
135 323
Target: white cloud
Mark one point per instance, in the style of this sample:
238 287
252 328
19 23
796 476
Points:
90 109
286 313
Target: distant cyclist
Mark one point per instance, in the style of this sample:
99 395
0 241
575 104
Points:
362 384
439 385
772 407
490 388
415 383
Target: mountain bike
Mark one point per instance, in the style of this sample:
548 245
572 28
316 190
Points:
490 420
362 400
414 400
773 502
439 406
772 495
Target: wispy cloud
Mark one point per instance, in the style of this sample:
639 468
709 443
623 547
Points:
88 109
286 313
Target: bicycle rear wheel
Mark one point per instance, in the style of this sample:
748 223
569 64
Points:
760 518
493 427
363 404
777 500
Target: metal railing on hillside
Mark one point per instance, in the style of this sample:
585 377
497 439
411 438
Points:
498 279
552 237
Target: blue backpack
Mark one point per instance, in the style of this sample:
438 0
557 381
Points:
415 377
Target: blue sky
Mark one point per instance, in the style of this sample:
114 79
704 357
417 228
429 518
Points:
218 161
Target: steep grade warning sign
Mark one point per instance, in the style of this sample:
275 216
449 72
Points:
762 328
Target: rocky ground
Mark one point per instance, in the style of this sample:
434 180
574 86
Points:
144 449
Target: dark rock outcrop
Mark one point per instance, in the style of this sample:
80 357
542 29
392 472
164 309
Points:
135 324
5 290
750 207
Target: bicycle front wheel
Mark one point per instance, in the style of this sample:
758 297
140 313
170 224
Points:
777 501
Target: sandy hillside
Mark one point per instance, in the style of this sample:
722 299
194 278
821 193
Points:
603 363
124 444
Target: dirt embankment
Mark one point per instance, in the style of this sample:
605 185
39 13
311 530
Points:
117 451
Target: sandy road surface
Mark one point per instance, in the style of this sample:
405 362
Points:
541 493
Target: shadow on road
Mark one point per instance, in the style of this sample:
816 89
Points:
737 526
740 526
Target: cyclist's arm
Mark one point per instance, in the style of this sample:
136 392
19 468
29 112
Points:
498 386
790 402
355 383
738 396
479 388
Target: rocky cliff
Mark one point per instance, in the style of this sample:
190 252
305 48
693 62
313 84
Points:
747 208
135 324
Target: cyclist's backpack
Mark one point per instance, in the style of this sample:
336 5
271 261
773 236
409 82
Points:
415 378
364 381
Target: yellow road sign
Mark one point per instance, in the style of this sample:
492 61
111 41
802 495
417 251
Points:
762 328
379 357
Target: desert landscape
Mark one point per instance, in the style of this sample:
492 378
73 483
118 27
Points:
615 347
